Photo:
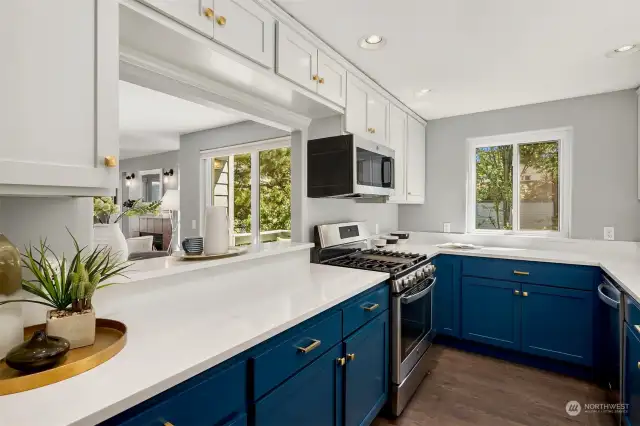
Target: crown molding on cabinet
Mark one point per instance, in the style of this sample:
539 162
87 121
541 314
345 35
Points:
282 16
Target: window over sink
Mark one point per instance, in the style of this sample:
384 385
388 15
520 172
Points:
520 183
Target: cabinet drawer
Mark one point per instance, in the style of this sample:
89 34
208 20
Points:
552 274
214 400
632 314
364 309
277 364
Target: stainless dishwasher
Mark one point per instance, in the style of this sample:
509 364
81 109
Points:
612 351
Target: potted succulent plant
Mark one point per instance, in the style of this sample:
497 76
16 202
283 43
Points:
68 287
106 232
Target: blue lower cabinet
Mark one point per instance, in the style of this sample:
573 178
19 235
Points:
491 312
313 397
446 296
631 391
558 323
367 371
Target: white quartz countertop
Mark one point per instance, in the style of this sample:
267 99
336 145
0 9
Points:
169 265
179 329
624 269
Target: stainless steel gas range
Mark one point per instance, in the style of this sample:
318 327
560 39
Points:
412 284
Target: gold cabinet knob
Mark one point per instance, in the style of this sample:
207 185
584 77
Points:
315 77
321 81
110 161
373 130
351 357
525 294
208 12
639 365
516 292
168 424
221 20
341 361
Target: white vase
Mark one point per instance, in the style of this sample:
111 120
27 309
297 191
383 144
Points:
78 329
216 230
11 325
111 236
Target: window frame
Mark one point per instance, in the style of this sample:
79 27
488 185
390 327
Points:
253 148
564 136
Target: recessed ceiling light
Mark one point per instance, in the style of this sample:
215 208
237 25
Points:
627 49
372 42
423 91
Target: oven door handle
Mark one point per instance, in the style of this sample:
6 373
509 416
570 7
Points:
409 299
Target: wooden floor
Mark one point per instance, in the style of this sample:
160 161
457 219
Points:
473 390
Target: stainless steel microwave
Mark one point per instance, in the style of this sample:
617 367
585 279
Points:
348 166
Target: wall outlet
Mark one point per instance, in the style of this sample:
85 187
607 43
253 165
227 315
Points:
193 224
608 233
446 227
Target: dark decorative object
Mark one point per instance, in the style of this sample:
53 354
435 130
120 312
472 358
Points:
193 245
40 353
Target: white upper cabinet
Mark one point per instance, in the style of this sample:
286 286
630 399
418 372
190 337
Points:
398 142
367 112
302 63
297 59
416 159
332 79
197 14
59 103
245 27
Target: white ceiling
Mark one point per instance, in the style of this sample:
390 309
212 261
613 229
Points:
482 55
151 121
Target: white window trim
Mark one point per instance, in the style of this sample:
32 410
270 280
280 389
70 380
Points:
253 148
565 137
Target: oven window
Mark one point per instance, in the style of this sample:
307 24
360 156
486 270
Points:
374 169
415 323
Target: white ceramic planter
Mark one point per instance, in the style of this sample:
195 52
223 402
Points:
78 329
111 236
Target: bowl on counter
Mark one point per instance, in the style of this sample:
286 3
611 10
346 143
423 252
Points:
379 242
392 240
403 237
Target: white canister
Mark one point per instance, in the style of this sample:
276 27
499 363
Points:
216 230
111 235
11 325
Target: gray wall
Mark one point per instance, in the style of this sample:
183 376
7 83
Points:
604 170
165 160
189 159
328 210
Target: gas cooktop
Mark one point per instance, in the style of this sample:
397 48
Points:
392 262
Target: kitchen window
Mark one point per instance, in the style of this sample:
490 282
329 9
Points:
520 183
253 181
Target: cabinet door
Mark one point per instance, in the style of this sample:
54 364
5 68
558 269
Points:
356 111
59 102
245 27
367 376
446 296
377 117
490 312
631 392
311 397
297 59
332 83
416 151
192 13
558 323
398 142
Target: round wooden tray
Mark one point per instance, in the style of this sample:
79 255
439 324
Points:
111 337
233 251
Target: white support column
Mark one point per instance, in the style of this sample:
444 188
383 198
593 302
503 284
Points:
255 197
299 215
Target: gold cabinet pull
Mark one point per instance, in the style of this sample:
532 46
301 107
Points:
371 307
373 130
639 365
351 357
321 80
520 273
341 361
315 77
309 348
168 424
525 294
221 20
516 292
208 12
637 327
110 161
